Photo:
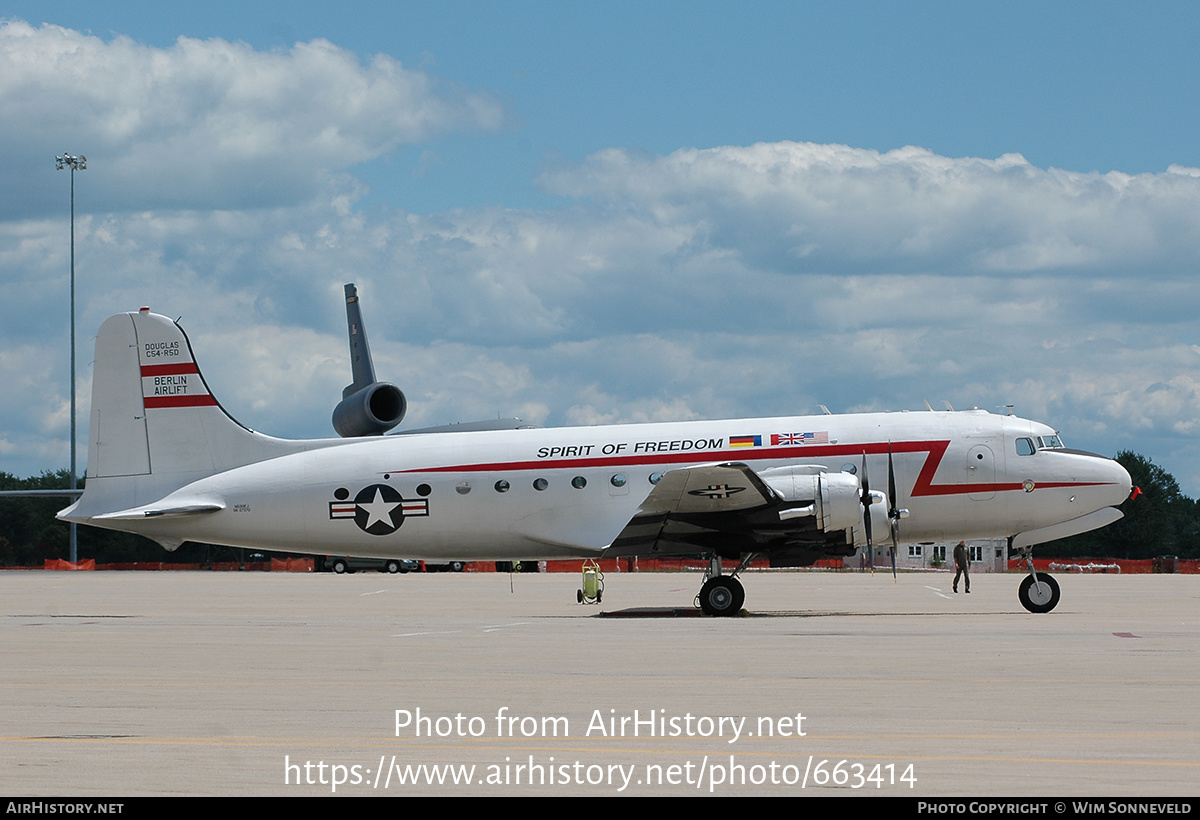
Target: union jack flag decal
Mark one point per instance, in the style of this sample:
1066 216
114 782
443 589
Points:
788 439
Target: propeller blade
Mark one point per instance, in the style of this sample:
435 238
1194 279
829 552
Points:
894 512
866 505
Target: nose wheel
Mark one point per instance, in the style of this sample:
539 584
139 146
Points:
1040 594
1038 591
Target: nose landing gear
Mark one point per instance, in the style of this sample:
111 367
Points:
1038 591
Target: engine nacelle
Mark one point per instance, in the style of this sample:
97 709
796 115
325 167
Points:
836 498
371 411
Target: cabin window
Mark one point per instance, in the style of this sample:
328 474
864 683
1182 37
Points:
579 482
1025 447
618 480
502 486
424 489
850 469
540 484
462 487
655 478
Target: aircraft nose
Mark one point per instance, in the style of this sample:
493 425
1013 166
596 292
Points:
1122 484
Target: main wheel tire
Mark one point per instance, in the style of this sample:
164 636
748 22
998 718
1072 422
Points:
339 567
1041 597
722 595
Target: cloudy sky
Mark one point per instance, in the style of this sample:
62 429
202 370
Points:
614 212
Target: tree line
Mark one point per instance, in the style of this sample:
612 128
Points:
30 534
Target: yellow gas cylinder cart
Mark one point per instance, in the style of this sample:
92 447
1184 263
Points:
593 583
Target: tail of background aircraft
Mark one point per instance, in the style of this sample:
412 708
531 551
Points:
155 426
368 407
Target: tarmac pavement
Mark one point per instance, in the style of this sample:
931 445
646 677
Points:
198 683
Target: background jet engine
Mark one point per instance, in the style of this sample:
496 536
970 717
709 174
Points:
370 411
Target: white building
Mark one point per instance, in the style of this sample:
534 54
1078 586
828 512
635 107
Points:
986 556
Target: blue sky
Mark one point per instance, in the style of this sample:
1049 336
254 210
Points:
583 213
1082 86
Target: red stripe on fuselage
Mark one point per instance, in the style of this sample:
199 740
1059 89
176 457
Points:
923 486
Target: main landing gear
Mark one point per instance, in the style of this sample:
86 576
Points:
1038 591
722 595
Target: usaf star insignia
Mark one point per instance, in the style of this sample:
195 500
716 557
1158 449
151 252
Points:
377 509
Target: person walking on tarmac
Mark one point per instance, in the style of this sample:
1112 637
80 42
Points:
962 565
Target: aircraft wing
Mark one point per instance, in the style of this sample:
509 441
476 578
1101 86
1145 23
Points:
724 507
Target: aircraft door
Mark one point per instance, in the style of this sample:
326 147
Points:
981 472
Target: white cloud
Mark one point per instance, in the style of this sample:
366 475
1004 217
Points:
800 207
207 123
731 282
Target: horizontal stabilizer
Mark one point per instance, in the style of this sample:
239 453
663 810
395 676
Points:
162 510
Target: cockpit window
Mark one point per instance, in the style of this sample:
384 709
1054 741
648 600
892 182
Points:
1025 447
1050 442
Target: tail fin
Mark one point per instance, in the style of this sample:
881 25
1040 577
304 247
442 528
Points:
361 366
155 425
368 407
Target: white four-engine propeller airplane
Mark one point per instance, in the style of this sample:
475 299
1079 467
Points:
166 461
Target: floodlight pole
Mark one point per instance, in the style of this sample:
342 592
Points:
75 164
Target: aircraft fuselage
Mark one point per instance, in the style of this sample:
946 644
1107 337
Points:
568 492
